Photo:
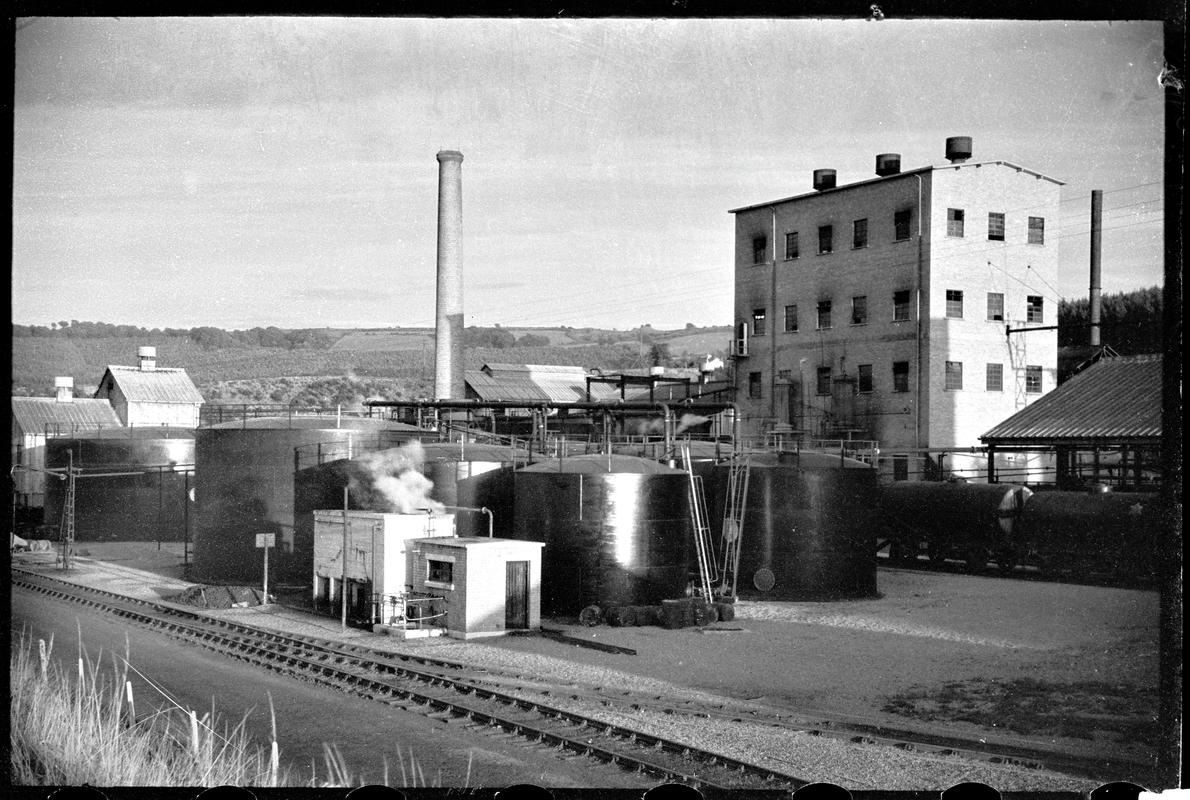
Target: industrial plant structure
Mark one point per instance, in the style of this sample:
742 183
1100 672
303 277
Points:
899 309
150 395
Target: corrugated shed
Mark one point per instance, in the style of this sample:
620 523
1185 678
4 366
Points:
33 414
161 385
539 383
1116 398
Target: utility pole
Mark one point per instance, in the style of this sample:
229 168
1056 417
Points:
67 530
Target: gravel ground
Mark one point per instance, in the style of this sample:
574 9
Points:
843 660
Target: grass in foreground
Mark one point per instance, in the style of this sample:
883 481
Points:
69 730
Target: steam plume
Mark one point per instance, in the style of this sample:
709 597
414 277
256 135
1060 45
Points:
395 476
690 421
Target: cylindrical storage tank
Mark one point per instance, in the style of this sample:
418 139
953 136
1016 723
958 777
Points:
244 486
616 530
958 148
468 476
1089 533
888 164
808 529
968 521
133 485
824 179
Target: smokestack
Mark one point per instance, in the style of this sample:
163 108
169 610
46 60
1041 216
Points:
1096 245
64 389
448 356
146 358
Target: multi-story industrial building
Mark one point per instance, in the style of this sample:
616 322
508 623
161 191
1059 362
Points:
888 309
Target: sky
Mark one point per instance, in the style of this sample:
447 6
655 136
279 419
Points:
243 172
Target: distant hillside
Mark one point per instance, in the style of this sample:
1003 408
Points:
330 367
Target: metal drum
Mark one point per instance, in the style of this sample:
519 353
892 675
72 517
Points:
133 485
971 522
616 530
245 484
1090 533
808 529
464 475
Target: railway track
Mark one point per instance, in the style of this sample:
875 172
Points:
485 697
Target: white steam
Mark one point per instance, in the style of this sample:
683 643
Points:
396 477
690 421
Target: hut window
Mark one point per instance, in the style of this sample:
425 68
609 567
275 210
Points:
440 571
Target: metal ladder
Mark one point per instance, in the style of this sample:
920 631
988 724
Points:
733 523
702 532
67 528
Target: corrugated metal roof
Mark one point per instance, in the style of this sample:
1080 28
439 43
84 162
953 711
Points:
537 382
160 385
33 414
1116 398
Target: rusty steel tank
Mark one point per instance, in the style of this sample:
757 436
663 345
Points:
133 485
465 475
616 529
244 486
808 527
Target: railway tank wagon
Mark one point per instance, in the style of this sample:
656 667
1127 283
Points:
616 529
244 484
970 522
140 489
808 528
1088 533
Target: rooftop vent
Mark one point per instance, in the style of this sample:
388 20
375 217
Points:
958 149
64 389
824 179
146 358
888 164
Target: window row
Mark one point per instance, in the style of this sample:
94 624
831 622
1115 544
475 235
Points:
955 222
826 238
1034 306
902 230
865 382
823 314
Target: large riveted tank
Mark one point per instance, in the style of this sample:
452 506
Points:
139 492
971 522
808 528
616 530
466 475
244 486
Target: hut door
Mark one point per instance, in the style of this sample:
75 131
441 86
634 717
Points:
516 590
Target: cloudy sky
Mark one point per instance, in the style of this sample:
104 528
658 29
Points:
248 171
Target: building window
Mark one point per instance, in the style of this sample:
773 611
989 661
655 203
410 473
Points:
790 246
995 380
954 222
1034 311
1033 380
865 377
954 375
901 305
954 304
859 310
758 326
754 384
760 248
1036 230
440 571
900 468
826 239
901 221
824 380
995 307
900 376
995 227
790 318
859 236
824 314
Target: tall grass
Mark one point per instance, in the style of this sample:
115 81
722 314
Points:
70 729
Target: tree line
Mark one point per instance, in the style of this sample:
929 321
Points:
1130 322
205 336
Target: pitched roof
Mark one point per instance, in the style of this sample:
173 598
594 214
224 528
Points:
33 414
160 385
539 382
1115 399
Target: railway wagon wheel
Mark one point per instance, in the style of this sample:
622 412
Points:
976 558
936 551
1005 559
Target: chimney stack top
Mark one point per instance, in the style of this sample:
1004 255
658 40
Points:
64 389
449 155
146 358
